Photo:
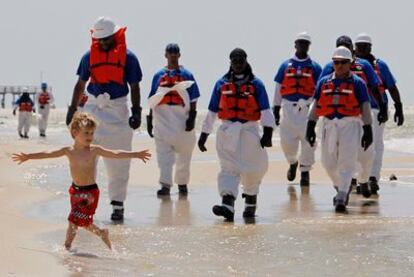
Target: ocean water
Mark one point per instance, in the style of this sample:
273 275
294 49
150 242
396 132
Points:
295 233
395 136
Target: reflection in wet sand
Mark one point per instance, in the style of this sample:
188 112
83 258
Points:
296 233
174 212
302 204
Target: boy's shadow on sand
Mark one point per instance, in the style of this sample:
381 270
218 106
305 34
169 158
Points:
75 252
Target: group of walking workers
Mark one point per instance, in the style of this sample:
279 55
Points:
348 95
44 101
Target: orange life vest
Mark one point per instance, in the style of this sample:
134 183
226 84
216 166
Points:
238 102
43 98
298 81
172 97
338 99
83 99
108 66
378 72
25 107
359 71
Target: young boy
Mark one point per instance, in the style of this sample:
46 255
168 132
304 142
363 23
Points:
82 155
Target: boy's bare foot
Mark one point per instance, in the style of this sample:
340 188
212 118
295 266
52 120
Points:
67 246
105 238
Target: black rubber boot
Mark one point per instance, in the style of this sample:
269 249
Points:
222 210
182 190
347 196
164 191
373 184
250 205
365 190
354 185
340 203
304 179
340 206
118 211
291 174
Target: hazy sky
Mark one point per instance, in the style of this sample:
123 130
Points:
50 36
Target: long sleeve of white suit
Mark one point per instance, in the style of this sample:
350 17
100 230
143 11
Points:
267 118
277 98
208 122
51 98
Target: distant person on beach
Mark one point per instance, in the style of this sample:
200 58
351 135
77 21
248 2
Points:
365 71
341 98
173 101
44 101
25 106
112 70
84 192
240 100
363 47
295 84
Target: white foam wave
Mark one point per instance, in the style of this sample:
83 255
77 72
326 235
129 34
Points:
405 145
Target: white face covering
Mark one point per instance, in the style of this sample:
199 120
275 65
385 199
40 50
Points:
239 76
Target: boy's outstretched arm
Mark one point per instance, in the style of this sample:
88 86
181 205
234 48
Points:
121 154
22 157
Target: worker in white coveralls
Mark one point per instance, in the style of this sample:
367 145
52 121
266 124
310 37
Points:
240 100
365 71
295 84
363 47
172 100
45 101
112 70
25 106
341 98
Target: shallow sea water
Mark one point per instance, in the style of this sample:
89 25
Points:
296 232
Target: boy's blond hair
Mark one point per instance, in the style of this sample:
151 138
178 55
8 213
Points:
82 120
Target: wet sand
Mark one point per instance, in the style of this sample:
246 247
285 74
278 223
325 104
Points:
296 232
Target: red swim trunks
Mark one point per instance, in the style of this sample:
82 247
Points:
83 202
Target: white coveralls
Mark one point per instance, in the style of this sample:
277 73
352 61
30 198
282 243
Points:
378 134
43 110
173 144
339 154
293 130
241 156
24 122
113 132
369 161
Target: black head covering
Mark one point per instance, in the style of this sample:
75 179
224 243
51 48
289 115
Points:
25 97
238 52
172 48
344 41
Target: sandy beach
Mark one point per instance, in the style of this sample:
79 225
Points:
167 237
21 254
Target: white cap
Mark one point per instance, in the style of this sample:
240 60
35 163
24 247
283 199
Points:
343 53
304 36
25 89
363 38
104 27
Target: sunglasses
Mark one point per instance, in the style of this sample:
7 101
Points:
341 62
